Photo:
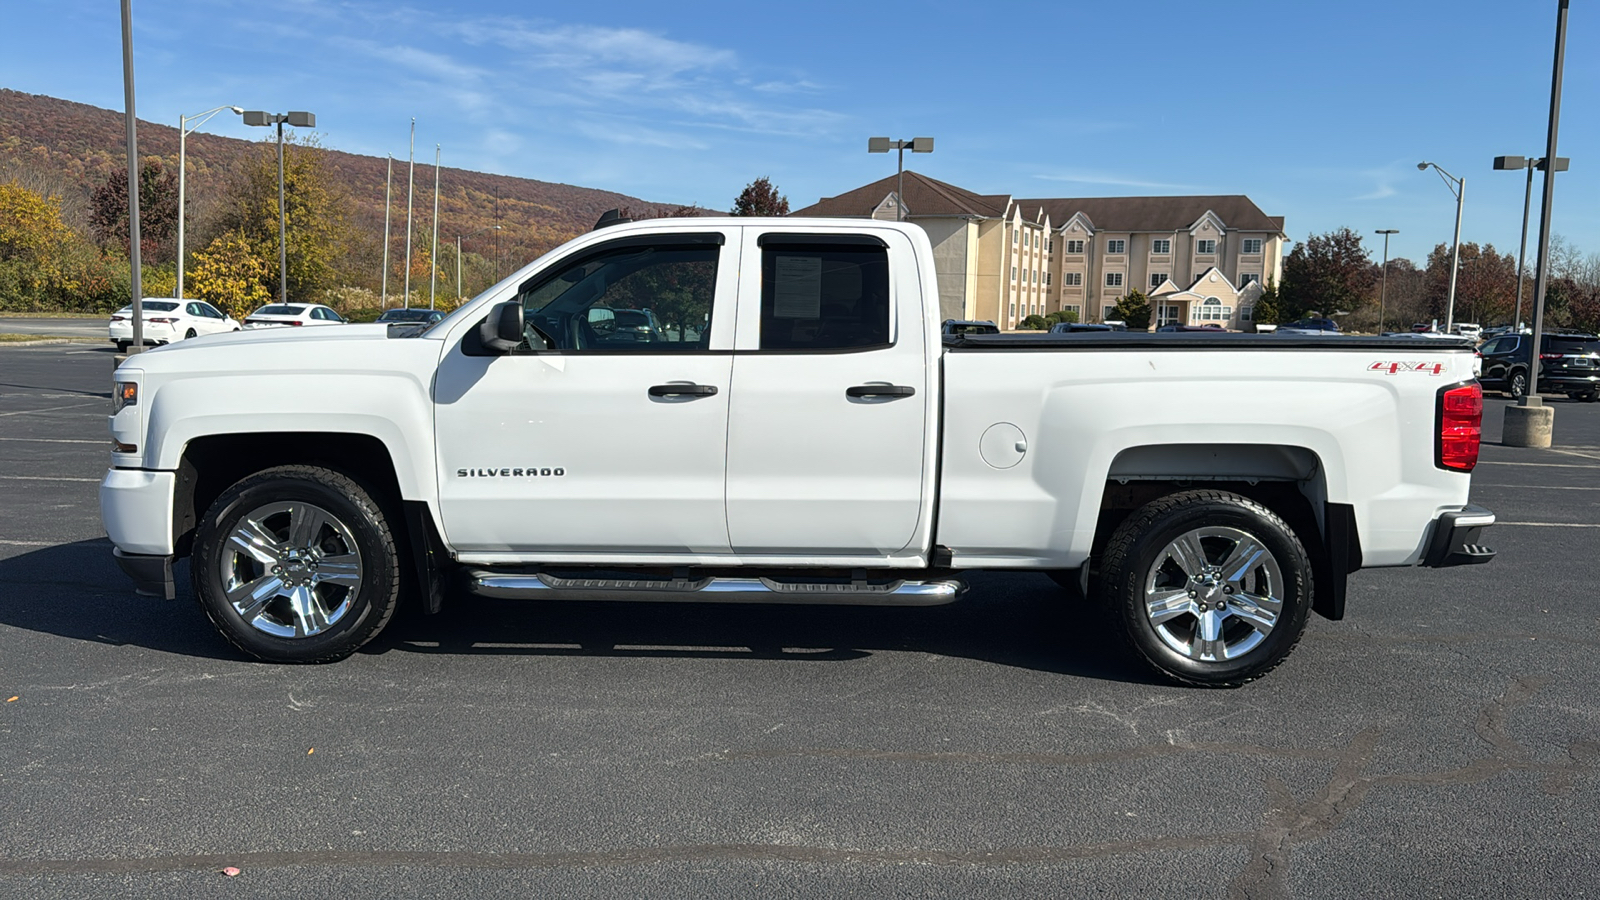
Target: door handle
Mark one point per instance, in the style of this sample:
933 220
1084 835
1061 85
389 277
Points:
683 390
880 390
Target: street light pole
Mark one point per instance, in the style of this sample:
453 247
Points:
298 120
1542 273
915 145
383 281
459 296
183 137
1528 163
433 259
1383 291
137 285
1458 186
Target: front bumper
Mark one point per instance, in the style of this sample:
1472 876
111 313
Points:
1455 538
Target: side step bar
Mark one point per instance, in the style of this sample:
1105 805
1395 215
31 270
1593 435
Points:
543 586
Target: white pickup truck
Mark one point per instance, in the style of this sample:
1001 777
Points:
763 410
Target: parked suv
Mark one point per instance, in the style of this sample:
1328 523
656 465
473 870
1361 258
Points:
957 326
1568 364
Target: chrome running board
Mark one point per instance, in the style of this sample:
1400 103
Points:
543 586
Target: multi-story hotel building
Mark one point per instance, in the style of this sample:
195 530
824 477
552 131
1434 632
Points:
1200 260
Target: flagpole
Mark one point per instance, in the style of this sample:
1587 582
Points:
411 184
388 192
433 261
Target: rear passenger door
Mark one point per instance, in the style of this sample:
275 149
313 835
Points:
829 452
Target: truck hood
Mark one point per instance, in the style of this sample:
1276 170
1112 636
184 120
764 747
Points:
271 351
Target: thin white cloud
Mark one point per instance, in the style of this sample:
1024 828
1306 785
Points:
1108 178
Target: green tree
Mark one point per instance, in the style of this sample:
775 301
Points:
1034 323
1268 311
1327 273
1061 315
318 233
45 265
1134 309
760 198
230 275
158 211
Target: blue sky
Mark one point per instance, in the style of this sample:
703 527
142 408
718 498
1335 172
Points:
1319 112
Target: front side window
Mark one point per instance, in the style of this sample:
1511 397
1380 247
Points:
1074 246
1156 278
1113 279
1251 245
1205 247
824 296
1116 246
1161 246
631 296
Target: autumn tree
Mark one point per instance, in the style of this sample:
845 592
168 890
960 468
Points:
318 233
1327 273
760 198
158 211
1134 310
231 275
1267 310
44 264
1486 284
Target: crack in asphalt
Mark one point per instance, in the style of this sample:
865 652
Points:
1285 821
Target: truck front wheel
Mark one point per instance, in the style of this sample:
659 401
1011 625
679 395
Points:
1208 587
296 564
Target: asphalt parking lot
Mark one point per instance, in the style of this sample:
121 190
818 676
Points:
1442 741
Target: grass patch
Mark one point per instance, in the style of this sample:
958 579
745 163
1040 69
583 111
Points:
53 315
10 338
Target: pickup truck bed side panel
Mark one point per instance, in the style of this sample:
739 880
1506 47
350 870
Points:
1078 407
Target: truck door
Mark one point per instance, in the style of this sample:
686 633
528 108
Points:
828 446
613 441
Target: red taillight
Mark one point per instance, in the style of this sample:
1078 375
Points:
1460 426
297 322
1550 356
162 321
118 319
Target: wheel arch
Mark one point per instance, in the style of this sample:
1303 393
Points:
1288 479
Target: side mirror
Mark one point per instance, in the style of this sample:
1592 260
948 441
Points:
502 331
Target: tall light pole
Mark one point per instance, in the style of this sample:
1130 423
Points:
1529 163
1383 292
383 280
1457 186
183 135
915 145
411 185
133 177
1542 272
433 259
459 237
298 120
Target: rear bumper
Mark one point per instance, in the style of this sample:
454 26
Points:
152 575
1456 536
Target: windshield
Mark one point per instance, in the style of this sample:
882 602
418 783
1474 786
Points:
279 310
1573 345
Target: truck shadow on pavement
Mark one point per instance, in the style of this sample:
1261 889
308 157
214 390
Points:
76 591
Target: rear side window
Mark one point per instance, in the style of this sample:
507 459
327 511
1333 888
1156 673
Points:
1573 345
820 294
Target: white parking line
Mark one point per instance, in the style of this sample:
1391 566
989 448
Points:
46 478
54 441
24 412
1496 462
26 544
1546 487
1554 524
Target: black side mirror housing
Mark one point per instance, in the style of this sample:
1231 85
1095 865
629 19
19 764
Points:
502 331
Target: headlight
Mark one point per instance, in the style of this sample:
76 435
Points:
123 393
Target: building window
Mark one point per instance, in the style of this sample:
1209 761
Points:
1205 248
1245 312
1013 310
1014 238
1113 279
1108 314
1248 278
1116 246
1166 314
1047 279
1013 273
1161 247
1035 276
1074 246
1156 278
1072 279
1077 311
1251 245
1213 311
1049 244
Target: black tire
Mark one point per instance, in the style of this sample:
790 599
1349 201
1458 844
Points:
122 346
188 334
1517 384
1138 556
342 528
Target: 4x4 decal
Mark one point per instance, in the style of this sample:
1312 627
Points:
1393 368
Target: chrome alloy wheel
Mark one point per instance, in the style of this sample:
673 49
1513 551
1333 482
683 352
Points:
291 569
1214 594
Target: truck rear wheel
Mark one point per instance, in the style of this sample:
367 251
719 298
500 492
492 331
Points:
296 564
1208 587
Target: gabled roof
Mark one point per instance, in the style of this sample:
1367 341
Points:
1237 212
924 196
1165 287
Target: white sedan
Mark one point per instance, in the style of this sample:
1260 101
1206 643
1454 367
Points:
274 314
169 320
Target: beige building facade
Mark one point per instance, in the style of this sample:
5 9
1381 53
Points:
1200 260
